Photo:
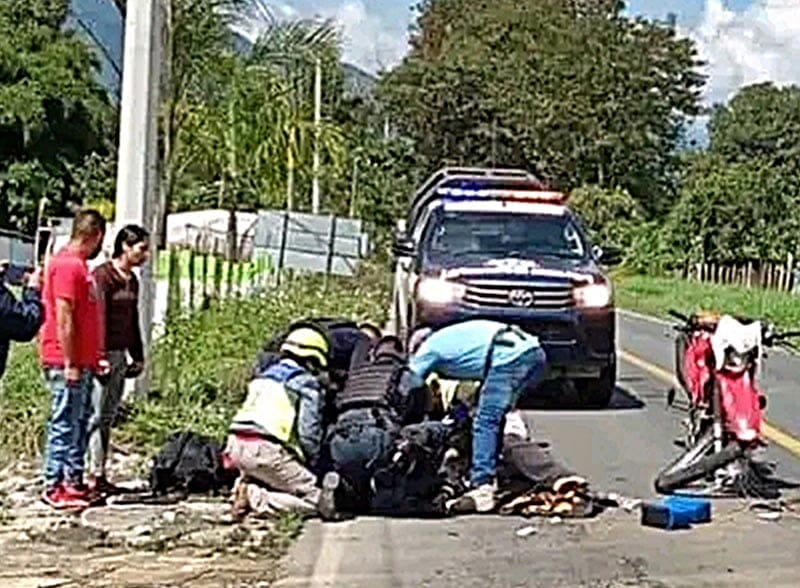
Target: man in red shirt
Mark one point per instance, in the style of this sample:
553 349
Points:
69 349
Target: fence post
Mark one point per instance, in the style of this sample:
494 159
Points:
204 274
192 253
217 272
173 287
787 284
331 249
282 250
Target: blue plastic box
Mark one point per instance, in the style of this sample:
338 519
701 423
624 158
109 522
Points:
676 512
699 509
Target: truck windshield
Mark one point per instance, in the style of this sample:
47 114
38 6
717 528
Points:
501 234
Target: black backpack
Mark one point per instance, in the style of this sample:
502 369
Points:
189 463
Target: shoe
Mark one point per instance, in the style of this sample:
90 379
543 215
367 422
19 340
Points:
569 483
80 491
326 505
99 485
515 425
478 500
240 505
58 498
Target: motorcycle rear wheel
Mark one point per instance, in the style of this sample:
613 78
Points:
696 463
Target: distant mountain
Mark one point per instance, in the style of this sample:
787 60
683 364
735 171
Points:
357 82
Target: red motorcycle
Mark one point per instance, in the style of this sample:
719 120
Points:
717 365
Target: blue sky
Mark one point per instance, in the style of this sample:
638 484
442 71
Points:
742 41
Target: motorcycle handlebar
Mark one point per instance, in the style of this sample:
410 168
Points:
678 315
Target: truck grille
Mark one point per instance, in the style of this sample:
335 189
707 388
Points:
535 296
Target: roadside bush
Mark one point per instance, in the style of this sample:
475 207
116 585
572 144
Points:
24 405
203 361
201 365
613 217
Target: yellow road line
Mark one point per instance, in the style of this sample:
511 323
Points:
771 432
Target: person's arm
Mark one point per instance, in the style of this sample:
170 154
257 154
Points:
417 398
20 319
309 417
65 284
103 285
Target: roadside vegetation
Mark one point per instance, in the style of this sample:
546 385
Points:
201 364
657 295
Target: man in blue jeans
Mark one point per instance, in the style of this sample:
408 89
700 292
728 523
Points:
69 350
507 360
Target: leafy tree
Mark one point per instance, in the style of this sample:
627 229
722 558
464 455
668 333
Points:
613 217
733 213
53 113
575 90
760 123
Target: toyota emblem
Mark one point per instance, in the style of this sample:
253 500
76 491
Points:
522 298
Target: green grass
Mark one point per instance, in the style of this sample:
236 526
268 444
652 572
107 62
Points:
655 296
201 365
250 268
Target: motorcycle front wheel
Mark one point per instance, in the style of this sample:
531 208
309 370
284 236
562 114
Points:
696 463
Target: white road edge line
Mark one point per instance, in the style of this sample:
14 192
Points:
331 550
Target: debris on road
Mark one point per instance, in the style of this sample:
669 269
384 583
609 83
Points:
527 531
676 512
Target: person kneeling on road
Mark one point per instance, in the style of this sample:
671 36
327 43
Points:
507 360
275 437
381 396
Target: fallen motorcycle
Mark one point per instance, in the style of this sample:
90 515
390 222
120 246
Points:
717 365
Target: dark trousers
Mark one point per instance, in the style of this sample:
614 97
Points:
357 446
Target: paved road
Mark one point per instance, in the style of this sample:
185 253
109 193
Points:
619 449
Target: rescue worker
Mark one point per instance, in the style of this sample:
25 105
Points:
507 361
381 395
275 438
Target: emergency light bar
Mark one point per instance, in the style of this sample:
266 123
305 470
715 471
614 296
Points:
503 194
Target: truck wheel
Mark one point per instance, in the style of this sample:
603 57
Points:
597 392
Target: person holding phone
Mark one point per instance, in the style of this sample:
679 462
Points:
69 350
20 319
119 313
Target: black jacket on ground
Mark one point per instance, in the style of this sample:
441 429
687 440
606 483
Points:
19 319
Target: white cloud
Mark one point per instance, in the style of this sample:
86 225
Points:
760 43
370 38
370 42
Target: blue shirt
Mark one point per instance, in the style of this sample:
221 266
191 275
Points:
459 351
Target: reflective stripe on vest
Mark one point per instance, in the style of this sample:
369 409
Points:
370 384
272 408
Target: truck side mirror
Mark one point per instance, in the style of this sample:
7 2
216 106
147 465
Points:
403 246
608 256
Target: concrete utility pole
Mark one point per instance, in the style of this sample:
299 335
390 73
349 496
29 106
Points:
317 124
137 199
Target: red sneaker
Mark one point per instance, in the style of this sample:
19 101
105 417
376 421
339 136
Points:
57 497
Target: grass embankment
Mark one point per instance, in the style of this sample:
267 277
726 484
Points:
656 296
201 365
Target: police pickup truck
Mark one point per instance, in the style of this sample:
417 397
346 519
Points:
497 244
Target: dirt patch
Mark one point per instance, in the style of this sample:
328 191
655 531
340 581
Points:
194 543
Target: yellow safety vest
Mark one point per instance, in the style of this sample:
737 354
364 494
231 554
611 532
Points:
270 408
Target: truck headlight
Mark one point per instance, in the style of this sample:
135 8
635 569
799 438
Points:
437 291
593 296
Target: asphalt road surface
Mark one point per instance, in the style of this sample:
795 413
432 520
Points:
619 449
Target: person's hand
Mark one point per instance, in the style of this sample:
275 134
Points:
134 370
103 367
72 374
33 280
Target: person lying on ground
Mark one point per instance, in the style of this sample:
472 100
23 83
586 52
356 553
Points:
381 395
506 360
119 314
426 468
275 437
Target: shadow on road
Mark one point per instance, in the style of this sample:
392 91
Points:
557 396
